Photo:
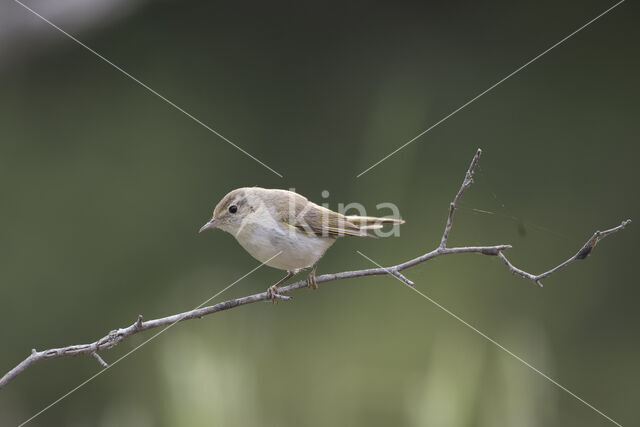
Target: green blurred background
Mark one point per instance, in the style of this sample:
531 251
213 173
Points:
104 187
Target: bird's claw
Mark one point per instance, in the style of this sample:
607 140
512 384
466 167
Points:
311 282
272 291
275 296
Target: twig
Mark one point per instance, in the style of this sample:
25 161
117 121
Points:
581 254
466 183
114 337
100 360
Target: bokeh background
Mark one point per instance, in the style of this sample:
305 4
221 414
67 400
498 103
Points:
104 187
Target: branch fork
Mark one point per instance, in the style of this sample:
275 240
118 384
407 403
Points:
114 337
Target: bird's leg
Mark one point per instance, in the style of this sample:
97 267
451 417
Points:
273 289
311 278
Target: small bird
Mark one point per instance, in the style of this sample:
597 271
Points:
284 230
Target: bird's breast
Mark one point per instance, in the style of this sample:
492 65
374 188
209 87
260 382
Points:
279 246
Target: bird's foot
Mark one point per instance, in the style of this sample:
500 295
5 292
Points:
311 281
272 291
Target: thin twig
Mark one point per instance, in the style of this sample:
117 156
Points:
114 337
584 251
466 183
100 360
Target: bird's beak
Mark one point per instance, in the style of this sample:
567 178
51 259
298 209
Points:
211 224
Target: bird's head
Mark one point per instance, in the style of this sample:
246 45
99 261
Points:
231 212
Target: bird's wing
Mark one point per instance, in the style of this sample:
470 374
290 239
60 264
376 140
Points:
313 219
372 222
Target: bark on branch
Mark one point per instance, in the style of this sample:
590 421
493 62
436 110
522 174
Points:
114 337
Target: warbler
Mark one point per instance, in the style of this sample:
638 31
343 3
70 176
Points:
284 230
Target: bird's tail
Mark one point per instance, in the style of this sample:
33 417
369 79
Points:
371 222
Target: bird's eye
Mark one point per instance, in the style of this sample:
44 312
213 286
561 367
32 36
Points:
233 209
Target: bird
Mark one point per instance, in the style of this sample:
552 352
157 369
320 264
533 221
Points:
286 231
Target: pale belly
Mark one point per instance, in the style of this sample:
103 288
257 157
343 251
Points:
283 248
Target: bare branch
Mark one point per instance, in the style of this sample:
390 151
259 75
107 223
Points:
466 183
100 360
584 251
114 337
